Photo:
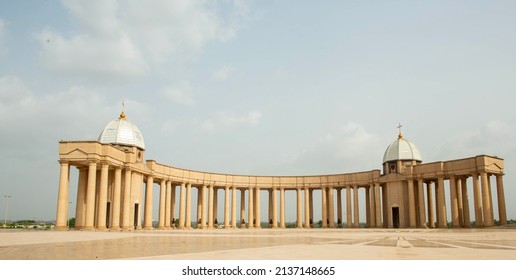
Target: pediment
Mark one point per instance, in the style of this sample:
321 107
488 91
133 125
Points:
76 154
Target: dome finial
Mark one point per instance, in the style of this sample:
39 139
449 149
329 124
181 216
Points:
399 129
122 115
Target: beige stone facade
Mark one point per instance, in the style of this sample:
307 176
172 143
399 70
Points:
115 191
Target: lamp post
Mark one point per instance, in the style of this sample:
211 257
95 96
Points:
6 196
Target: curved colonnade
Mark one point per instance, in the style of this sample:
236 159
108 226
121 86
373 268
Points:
115 191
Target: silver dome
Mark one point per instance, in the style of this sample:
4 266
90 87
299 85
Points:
122 132
402 149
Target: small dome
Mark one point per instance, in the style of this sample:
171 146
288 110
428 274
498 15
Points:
122 132
402 149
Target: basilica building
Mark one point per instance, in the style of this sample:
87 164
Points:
116 184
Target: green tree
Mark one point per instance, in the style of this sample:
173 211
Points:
71 223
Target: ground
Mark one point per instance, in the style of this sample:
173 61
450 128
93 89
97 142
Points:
497 243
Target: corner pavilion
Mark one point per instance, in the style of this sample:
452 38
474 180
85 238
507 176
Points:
115 190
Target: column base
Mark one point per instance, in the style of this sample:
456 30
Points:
115 228
61 228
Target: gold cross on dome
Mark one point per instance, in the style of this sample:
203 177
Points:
399 130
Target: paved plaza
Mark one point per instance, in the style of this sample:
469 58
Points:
265 244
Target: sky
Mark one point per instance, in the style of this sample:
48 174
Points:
254 87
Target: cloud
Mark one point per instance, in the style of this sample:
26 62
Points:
224 120
26 114
350 148
494 137
223 73
125 39
3 49
93 57
179 94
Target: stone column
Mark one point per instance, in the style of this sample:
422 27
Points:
200 194
250 208
162 202
211 201
454 202
148 203
307 207
324 203
412 204
101 213
349 221
331 211
479 221
282 207
126 209
502 212
431 206
465 203
355 207
274 208
339 207
299 204
81 198
182 206
168 203
90 196
460 206
486 201
233 207
421 203
173 206
372 205
441 204
269 219
257 207
203 206
62 197
242 208
226 207
188 203
215 206
115 205
311 198
378 205
367 207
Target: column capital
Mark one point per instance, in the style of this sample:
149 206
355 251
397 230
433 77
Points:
63 161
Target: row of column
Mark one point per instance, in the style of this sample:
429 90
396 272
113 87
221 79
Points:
435 212
92 202
92 212
207 204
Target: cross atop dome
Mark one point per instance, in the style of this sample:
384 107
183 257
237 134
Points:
122 115
399 131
